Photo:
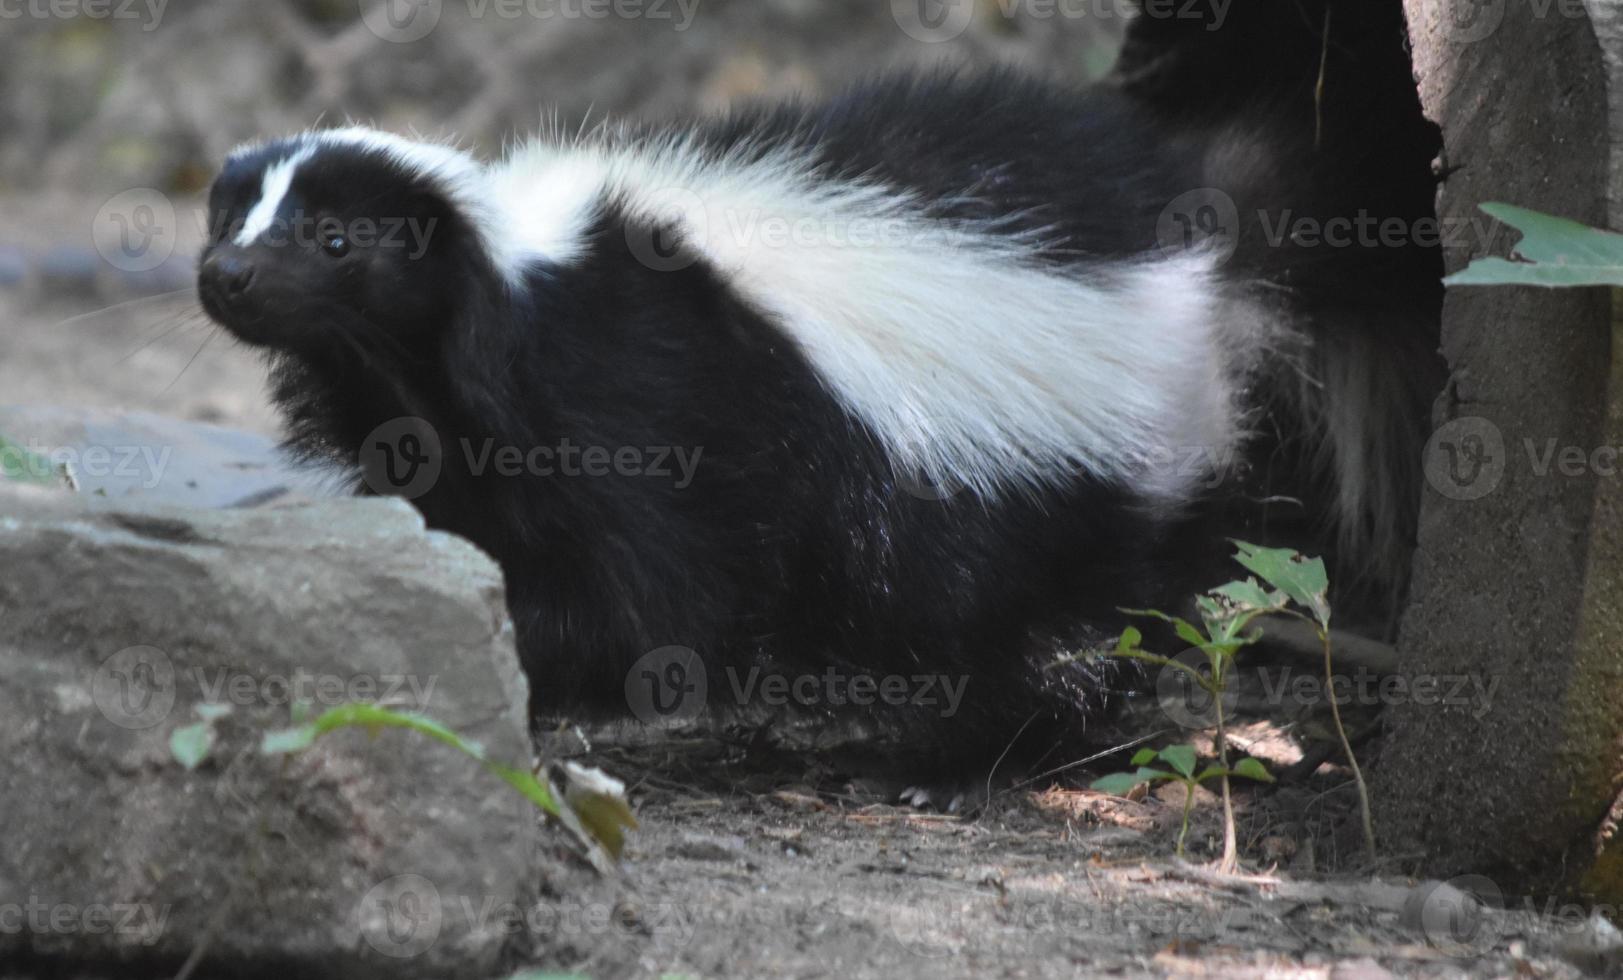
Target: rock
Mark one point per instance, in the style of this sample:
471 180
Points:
392 856
162 460
1596 947
1360 969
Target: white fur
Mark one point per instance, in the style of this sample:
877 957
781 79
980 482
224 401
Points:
972 361
272 191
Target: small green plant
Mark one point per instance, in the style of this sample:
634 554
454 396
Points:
1292 585
191 744
22 466
592 808
1182 760
374 718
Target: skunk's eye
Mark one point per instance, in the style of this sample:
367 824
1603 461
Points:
333 241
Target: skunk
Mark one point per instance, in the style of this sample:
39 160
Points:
948 392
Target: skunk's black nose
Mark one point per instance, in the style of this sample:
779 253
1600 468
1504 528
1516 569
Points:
227 275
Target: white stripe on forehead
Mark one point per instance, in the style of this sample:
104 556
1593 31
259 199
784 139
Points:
455 173
273 190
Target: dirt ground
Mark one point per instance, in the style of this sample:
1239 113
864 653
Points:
765 875
742 869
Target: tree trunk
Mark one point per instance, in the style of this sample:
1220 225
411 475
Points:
1518 587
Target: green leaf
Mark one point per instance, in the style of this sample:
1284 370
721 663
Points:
1144 756
190 744
1303 579
1116 784
1553 252
212 712
1186 630
605 817
1130 639
17 463
1181 758
374 718
1249 595
288 741
1252 769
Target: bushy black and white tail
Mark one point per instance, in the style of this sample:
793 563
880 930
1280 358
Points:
1325 158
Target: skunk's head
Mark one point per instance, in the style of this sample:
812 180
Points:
349 239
